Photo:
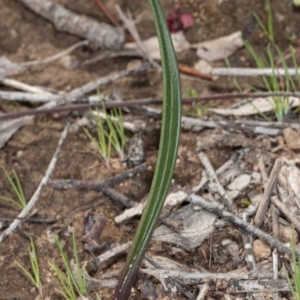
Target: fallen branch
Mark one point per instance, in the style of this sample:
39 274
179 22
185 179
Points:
218 209
110 253
34 97
192 278
94 186
264 204
256 286
72 96
7 129
105 36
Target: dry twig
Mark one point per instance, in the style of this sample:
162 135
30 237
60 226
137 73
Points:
7 129
76 96
111 253
213 176
106 36
263 205
130 25
43 182
218 209
281 206
254 72
97 186
55 56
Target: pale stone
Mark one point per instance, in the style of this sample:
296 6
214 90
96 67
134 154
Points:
261 249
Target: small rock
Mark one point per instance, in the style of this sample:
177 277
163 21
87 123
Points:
79 123
260 249
70 62
74 128
136 153
133 64
285 234
84 121
203 66
20 153
240 182
292 138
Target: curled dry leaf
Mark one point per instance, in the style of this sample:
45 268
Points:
253 107
197 226
151 45
219 48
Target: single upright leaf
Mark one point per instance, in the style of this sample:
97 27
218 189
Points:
167 154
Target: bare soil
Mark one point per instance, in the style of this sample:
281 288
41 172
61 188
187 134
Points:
25 36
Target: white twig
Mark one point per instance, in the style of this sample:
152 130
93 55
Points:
33 97
24 87
74 94
275 271
254 72
280 125
55 56
37 193
91 86
228 164
213 176
129 23
111 253
202 291
192 277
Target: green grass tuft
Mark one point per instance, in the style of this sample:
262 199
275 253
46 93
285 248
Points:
34 277
17 189
73 284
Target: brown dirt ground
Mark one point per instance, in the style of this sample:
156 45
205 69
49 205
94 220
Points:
23 37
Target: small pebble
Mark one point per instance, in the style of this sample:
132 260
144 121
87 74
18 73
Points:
20 153
285 234
69 62
261 249
133 64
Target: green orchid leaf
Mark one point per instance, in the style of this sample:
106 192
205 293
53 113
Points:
167 154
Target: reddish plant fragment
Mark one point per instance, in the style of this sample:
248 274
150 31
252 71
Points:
177 21
107 13
187 21
192 72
